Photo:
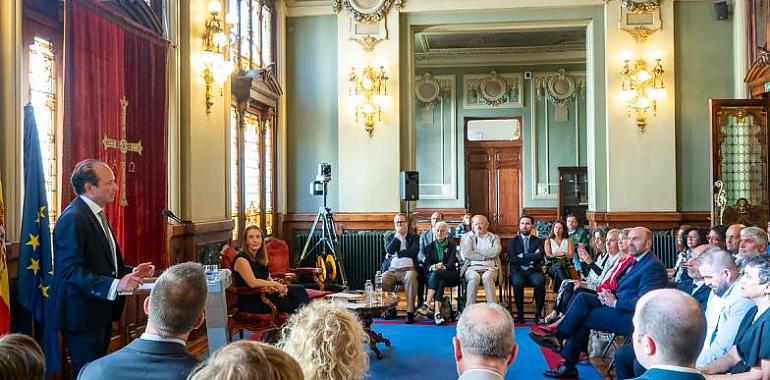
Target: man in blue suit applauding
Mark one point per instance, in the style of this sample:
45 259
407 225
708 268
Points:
668 328
174 308
607 311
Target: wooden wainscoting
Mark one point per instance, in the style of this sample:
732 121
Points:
453 216
542 214
187 242
294 222
662 220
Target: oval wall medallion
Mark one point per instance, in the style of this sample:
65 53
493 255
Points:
427 89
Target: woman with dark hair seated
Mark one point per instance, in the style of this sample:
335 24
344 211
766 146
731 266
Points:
250 269
441 263
717 236
750 354
558 252
691 238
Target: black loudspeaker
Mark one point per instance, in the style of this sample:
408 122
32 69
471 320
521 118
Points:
720 10
409 186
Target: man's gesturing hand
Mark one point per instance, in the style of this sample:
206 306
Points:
129 283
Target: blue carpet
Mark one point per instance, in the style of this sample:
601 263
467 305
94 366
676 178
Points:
425 352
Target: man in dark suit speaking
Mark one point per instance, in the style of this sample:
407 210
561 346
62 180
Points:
90 271
174 308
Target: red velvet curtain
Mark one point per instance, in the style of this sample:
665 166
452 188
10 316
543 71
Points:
109 58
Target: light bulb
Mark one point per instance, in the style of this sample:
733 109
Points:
642 103
219 39
215 6
642 75
368 108
231 18
367 84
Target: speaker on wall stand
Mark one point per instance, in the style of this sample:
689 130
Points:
721 11
409 188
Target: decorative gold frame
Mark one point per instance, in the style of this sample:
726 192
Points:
640 19
366 14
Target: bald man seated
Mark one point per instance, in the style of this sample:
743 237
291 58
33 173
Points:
668 328
607 311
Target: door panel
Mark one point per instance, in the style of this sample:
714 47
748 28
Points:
508 205
493 183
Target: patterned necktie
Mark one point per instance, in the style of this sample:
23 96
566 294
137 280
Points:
108 235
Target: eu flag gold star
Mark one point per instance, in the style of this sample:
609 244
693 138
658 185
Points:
34 241
40 214
44 289
34 266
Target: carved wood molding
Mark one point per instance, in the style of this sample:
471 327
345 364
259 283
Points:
660 220
184 241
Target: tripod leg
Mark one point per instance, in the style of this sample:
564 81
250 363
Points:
310 236
333 244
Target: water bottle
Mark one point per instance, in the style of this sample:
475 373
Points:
369 292
378 282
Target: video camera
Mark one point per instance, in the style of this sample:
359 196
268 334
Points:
323 177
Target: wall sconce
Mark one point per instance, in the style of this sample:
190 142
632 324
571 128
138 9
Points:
216 50
368 90
642 88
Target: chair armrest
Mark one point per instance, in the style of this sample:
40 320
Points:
246 290
306 270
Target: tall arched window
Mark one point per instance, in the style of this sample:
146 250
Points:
253 116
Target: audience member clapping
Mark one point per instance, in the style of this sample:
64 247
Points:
484 346
327 340
247 360
21 358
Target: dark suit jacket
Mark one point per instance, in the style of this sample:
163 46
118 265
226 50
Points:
142 359
84 271
450 255
392 245
647 274
532 257
664 374
701 295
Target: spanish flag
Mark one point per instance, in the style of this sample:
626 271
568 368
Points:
5 300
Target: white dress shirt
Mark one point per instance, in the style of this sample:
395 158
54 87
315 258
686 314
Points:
96 209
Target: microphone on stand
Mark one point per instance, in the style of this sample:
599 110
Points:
170 214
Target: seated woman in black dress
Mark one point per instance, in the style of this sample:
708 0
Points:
251 270
750 355
441 264
558 254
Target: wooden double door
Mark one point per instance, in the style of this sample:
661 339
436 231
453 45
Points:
493 181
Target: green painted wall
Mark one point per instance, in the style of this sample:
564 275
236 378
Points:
561 135
704 70
311 87
594 16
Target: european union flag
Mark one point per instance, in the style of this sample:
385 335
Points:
35 260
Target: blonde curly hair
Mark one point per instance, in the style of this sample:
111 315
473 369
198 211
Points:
247 360
326 339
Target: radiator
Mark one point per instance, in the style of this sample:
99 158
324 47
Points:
664 245
361 253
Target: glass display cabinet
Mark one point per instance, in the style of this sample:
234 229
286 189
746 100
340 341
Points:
573 192
739 165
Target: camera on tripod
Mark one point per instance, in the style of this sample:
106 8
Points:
324 176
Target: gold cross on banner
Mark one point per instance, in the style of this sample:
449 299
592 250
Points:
124 146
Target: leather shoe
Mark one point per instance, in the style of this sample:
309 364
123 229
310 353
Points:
562 372
519 319
409 318
550 342
390 313
539 331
